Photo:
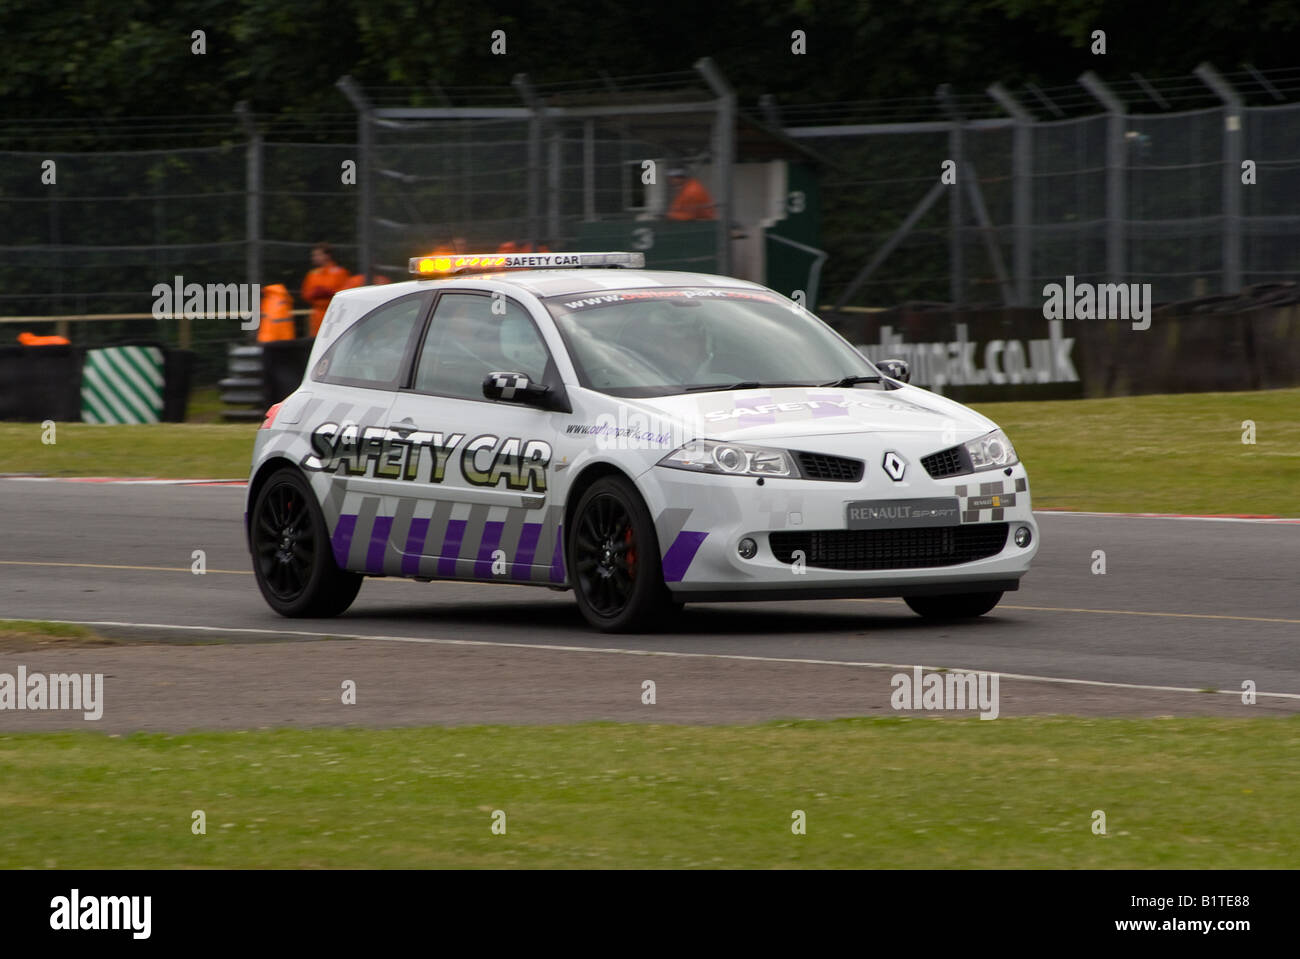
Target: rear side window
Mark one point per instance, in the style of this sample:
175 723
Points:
373 351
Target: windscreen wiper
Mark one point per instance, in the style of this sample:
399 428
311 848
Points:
742 385
852 381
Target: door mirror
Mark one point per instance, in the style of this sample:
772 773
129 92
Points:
896 370
517 388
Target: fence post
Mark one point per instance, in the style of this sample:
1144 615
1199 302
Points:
1116 169
1232 151
956 250
554 177
252 195
589 171
526 93
1022 190
724 154
365 148
56 243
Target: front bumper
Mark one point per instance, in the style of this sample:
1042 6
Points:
701 520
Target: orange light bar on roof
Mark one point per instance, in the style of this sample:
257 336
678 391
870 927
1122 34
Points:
447 264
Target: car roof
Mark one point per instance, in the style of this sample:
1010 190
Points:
545 283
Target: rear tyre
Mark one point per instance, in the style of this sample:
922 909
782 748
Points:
614 560
292 558
956 606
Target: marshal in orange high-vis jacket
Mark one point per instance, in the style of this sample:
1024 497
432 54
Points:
320 285
692 202
277 314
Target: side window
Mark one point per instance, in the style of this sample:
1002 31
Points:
467 341
371 352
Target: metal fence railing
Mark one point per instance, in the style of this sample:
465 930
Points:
1127 194
113 225
1194 202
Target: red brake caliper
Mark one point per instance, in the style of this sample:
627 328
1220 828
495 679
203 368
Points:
631 553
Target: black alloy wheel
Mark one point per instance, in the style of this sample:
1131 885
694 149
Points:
614 559
292 560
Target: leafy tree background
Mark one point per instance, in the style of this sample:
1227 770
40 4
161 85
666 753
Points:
116 59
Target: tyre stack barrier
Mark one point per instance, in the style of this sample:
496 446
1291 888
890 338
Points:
242 390
283 364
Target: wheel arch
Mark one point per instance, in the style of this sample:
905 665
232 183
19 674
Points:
272 465
583 481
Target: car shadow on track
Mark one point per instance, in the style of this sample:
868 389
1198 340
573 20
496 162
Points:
561 621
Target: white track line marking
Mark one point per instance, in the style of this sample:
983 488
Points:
406 581
147 569
1117 612
672 654
126 481
1038 513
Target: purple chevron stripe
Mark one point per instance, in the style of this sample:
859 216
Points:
378 544
521 568
341 541
490 542
451 547
557 558
681 554
415 538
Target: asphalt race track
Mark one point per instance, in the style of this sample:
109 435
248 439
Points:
1188 606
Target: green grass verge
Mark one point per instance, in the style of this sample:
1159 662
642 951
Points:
877 793
1180 453
1162 454
205 405
164 450
40 633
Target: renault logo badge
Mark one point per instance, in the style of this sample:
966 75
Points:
894 465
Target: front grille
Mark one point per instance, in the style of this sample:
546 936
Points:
838 469
891 548
950 462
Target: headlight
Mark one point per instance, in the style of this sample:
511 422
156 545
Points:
731 459
992 451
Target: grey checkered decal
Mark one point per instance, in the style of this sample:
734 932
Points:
991 498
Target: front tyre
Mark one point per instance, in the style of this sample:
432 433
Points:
292 558
956 606
613 553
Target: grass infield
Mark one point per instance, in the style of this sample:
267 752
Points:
877 793
1159 454
1178 453
20 634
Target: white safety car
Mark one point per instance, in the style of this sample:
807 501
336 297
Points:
642 437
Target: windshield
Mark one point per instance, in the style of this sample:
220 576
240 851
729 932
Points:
656 342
